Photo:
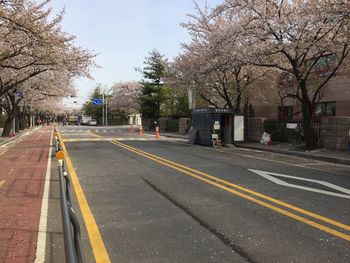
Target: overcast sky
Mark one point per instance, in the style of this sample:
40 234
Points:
123 32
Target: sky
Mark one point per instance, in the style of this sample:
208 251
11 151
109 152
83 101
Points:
122 33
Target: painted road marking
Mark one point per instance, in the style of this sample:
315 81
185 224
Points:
101 139
285 163
225 185
2 183
98 247
272 177
41 242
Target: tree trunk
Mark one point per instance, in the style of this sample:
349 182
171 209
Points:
238 103
28 119
309 133
17 123
7 126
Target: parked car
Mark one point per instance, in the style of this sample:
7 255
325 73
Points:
93 122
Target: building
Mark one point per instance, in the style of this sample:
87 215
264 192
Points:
334 101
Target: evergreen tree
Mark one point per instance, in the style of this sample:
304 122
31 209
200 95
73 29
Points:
152 87
93 110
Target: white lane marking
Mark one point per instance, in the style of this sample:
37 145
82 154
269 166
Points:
272 177
320 163
94 139
41 242
280 162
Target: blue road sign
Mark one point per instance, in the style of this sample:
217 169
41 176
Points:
19 94
97 102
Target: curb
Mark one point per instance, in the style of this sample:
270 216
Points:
167 135
8 140
299 154
16 137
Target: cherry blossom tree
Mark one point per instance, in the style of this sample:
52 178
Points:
214 62
37 58
125 97
307 40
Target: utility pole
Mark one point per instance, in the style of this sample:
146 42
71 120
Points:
103 108
106 114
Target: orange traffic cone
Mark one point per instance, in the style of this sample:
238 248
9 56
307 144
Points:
140 131
157 132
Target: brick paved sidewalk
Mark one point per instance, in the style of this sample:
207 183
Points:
22 177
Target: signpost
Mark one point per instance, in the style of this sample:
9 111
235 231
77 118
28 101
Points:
101 102
97 102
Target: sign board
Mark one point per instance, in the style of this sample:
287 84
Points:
216 125
192 98
292 126
19 94
215 136
238 128
97 102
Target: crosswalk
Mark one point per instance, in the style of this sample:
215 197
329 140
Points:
89 130
85 132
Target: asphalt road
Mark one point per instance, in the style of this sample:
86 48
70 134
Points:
168 201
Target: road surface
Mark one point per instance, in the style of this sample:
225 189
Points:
167 201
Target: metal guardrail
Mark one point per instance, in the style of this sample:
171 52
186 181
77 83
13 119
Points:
71 226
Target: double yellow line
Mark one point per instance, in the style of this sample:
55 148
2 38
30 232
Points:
248 194
96 241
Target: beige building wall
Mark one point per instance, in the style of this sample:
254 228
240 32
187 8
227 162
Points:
267 101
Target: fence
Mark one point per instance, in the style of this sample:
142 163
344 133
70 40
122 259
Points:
291 131
71 227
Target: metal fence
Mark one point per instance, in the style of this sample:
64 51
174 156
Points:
71 227
291 130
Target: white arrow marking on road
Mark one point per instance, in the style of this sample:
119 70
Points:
272 177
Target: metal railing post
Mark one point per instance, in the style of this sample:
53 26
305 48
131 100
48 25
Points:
71 226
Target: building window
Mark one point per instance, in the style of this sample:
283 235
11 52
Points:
325 108
323 66
285 113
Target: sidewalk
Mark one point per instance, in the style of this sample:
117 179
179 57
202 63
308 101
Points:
334 156
22 178
4 140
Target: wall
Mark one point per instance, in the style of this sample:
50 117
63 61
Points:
184 125
266 101
335 132
255 128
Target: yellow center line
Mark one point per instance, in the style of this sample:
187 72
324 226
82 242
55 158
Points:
93 134
271 199
194 173
96 241
2 183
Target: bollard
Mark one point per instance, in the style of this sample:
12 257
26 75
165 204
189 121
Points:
131 129
157 132
140 131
